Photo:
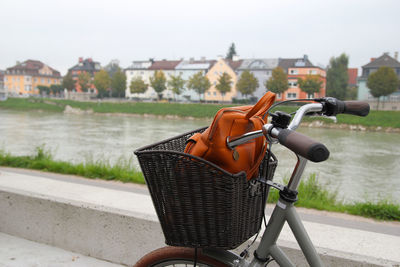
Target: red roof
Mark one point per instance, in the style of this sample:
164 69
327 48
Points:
234 64
353 73
164 65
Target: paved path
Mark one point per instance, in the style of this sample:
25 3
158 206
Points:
18 252
328 231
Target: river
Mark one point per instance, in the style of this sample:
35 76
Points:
362 165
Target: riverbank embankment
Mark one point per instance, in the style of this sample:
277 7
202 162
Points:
313 194
385 121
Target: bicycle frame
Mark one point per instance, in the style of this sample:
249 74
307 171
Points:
284 211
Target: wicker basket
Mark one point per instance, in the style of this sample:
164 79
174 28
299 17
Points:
198 203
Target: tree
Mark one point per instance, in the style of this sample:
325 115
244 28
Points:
382 82
311 84
118 82
102 82
278 82
68 82
84 81
231 52
199 83
224 84
247 83
337 77
43 90
138 86
158 82
176 83
56 89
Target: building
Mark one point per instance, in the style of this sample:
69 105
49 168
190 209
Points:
187 68
261 68
138 69
372 66
352 73
3 93
145 70
25 77
168 67
221 66
85 66
299 68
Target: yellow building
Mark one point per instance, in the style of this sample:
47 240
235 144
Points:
221 66
25 77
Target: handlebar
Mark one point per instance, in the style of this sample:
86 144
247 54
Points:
333 106
303 145
299 143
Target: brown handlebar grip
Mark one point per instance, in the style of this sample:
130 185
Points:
303 145
358 108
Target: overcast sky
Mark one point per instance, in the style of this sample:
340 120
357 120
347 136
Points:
58 32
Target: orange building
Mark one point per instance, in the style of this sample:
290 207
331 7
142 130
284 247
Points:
25 77
213 75
85 66
300 68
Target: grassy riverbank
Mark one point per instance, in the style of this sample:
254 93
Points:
44 161
374 119
311 193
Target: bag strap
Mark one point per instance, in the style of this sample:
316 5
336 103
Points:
262 105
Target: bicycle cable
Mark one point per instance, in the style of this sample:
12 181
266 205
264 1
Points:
195 257
287 101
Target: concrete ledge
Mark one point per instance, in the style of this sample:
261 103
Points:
104 234
118 223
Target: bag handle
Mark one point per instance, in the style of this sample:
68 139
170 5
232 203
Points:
262 105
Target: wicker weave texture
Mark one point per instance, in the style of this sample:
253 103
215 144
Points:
199 204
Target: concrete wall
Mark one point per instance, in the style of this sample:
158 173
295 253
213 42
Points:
114 236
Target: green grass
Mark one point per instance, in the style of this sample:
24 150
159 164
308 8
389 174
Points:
313 195
43 160
376 118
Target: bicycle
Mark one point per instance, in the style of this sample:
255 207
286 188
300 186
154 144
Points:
207 250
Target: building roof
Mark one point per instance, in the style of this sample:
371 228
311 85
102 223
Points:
86 65
384 60
195 64
286 63
259 63
352 72
32 67
164 65
140 65
234 64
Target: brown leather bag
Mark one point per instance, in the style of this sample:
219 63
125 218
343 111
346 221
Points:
233 121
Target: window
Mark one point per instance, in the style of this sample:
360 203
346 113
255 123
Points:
293 71
215 93
291 95
215 83
35 79
312 72
42 80
279 95
208 93
292 84
310 96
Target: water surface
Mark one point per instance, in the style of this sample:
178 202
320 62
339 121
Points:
362 165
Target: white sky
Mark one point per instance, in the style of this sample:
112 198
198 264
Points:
58 32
